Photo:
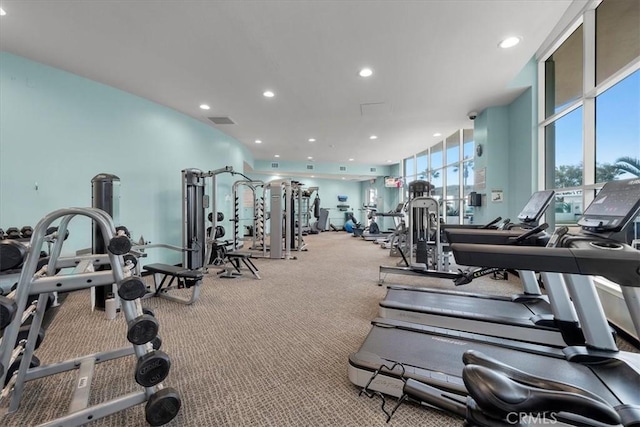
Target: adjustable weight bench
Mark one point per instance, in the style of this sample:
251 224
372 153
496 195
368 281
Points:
183 277
234 259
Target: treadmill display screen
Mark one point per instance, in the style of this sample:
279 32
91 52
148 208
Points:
614 206
536 206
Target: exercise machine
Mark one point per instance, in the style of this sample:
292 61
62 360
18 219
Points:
424 253
426 363
526 316
243 191
507 233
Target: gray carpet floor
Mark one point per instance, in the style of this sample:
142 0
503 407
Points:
270 352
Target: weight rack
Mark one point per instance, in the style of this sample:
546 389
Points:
163 404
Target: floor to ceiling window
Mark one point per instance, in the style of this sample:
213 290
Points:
590 105
448 166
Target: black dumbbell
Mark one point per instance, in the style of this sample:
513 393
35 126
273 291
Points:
26 232
124 229
52 230
8 309
219 216
12 253
13 233
131 288
35 362
152 368
162 406
119 244
23 334
142 329
156 343
132 258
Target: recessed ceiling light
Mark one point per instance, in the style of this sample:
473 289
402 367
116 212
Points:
437 134
2 12
268 94
343 177
373 137
310 157
277 155
258 141
388 161
313 176
312 140
351 160
509 42
365 72
204 107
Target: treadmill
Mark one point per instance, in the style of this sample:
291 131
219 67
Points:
426 362
396 214
525 317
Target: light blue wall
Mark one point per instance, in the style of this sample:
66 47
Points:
509 136
59 130
522 153
523 133
492 132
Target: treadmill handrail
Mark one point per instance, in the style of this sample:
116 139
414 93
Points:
621 266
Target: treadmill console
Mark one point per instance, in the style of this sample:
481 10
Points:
613 208
536 206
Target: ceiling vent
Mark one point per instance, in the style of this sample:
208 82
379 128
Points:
343 168
275 165
310 167
222 120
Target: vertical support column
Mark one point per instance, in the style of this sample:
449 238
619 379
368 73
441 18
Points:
288 218
105 195
275 240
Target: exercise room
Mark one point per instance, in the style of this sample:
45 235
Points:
319 213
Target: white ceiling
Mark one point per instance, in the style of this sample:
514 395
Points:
433 60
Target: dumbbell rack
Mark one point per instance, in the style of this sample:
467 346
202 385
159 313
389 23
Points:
162 405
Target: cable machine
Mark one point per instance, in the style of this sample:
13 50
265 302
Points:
424 228
257 205
196 208
284 234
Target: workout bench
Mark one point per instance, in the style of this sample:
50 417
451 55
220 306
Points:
234 259
184 278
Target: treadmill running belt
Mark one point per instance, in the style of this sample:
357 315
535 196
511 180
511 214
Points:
456 303
444 355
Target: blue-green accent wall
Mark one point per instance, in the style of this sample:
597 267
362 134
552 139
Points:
58 130
509 136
